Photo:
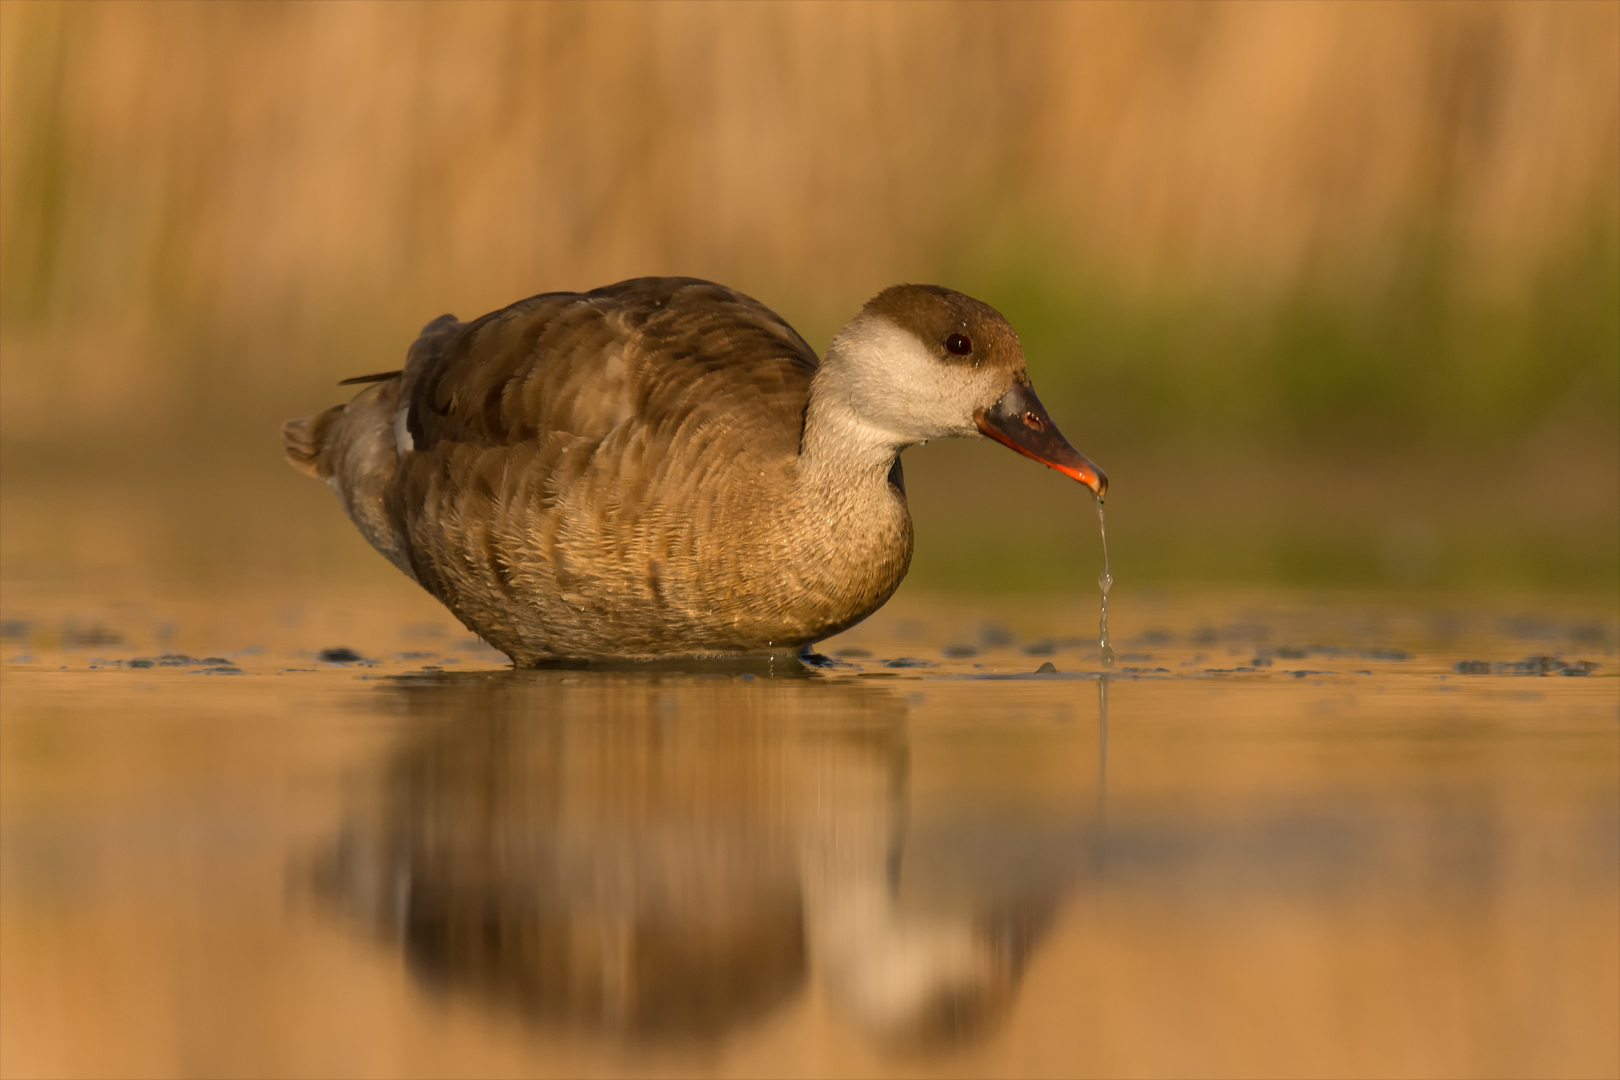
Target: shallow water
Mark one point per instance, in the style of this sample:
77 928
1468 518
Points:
1284 836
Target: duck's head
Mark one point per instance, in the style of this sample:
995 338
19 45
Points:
923 362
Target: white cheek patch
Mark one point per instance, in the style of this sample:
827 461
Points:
898 358
902 387
402 431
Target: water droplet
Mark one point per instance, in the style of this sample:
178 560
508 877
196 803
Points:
1105 580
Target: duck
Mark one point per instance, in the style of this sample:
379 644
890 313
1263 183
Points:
662 468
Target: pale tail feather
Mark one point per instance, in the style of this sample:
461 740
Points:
351 447
304 440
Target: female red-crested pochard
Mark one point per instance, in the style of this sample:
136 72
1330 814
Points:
663 468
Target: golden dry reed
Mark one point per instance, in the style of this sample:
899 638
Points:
288 180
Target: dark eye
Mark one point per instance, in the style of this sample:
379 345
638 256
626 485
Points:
959 344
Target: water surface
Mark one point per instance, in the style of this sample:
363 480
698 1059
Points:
1284 836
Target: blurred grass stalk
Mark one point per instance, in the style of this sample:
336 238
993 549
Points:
1384 236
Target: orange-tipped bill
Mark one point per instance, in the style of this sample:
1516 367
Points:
1019 420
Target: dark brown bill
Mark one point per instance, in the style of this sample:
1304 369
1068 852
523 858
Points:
1019 420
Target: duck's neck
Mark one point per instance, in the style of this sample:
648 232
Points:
852 529
843 457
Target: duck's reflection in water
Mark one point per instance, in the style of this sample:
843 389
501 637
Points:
667 858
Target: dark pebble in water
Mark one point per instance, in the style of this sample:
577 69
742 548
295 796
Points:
1541 665
907 661
79 636
1043 647
1261 661
13 629
1302 674
959 651
139 662
1047 668
995 635
852 652
1472 667
337 656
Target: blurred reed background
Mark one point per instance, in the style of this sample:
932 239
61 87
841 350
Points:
1332 290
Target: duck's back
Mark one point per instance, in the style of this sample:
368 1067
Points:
656 353
601 473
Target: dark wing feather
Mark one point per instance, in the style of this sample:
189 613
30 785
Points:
583 363
381 376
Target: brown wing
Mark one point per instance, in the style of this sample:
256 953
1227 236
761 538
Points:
649 350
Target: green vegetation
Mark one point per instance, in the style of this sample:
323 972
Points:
1420 362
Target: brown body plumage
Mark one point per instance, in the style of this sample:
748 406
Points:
657 468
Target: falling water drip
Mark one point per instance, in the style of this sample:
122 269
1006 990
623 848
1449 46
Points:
1104 581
